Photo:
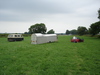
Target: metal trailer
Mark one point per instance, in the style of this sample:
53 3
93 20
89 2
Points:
43 38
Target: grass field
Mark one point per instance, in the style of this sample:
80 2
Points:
59 58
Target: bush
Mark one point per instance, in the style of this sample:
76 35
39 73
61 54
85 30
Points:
3 35
26 35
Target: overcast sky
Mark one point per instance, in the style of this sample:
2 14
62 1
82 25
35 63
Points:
16 16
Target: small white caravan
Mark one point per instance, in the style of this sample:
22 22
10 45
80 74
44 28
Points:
15 37
43 38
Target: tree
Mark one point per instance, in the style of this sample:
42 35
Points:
67 32
74 31
38 28
81 30
25 32
99 13
94 28
51 31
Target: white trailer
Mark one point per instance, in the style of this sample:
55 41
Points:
15 37
43 38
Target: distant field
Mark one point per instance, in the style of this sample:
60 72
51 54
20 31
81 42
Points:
59 58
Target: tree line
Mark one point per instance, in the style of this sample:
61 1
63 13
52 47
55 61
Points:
93 30
81 30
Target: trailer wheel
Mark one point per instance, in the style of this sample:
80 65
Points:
10 40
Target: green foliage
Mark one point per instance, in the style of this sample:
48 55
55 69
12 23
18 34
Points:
38 28
82 30
99 13
67 32
26 32
3 35
74 32
51 31
59 58
95 28
26 35
6 35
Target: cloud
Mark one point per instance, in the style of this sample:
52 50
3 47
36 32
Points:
56 14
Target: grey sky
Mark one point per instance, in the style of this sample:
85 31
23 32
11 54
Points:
18 15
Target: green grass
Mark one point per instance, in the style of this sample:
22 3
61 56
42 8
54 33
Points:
59 58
